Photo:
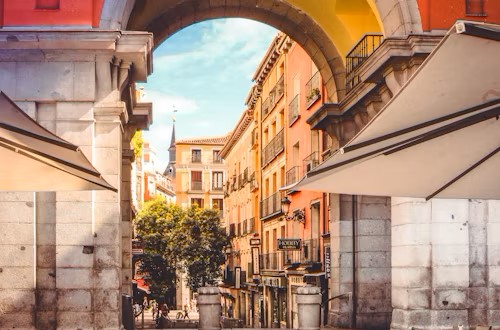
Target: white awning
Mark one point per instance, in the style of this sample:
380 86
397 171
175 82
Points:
34 159
438 136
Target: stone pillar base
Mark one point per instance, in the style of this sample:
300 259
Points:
209 308
308 305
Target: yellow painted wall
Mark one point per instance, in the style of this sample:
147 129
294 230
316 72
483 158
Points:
344 21
184 166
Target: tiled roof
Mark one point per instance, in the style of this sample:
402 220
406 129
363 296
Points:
210 140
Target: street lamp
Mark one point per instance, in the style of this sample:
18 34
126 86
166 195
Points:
285 205
298 215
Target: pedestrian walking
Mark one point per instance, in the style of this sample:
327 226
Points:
186 312
154 308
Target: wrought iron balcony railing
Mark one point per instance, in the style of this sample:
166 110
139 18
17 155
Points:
311 161
270 205
313 89
251 225
293 110
293 175
274 96
309 253
253 182
196 185
274 148
358 55
269 261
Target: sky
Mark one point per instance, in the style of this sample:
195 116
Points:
205 73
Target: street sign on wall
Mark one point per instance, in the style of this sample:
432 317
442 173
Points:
289 243
255 260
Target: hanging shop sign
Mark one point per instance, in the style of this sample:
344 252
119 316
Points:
289 243
255 260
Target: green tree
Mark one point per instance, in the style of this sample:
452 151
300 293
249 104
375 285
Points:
180 240
156 225
137 142
204 241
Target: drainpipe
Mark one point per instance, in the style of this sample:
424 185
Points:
354 284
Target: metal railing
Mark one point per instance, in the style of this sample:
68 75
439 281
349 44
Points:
311 161
270 205
196 158
311 251
253 182
196 185
273 148
293 175
293 110
358 55
244 227
274 96
269 261
251 225
313 89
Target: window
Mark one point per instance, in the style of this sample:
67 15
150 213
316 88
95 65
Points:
197 201
218 203
196 182
196 156
216 157
474 8
217 180
47 4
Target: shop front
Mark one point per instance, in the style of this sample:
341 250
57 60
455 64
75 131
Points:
275 302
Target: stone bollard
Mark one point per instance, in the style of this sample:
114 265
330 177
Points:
209 308
309 307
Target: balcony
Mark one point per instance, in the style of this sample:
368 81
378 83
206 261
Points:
273 149
196 158
244 227
293 175
253 182
251 225
309 253
311 161
274 96
293 110
269 261
358 55
313 91
270 206
197 185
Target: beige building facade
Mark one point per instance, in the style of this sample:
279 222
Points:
200 172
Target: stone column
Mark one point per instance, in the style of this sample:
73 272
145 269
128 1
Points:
209 308
367 273
309 307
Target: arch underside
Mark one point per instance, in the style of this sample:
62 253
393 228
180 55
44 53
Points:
172 16
325 30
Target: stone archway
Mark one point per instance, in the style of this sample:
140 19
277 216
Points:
172 16
325 33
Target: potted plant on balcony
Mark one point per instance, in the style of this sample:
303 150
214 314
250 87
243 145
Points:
313 95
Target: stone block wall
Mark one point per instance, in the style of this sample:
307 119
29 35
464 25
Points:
445 263
61 257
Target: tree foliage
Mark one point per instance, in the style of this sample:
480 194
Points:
180 240
137 142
